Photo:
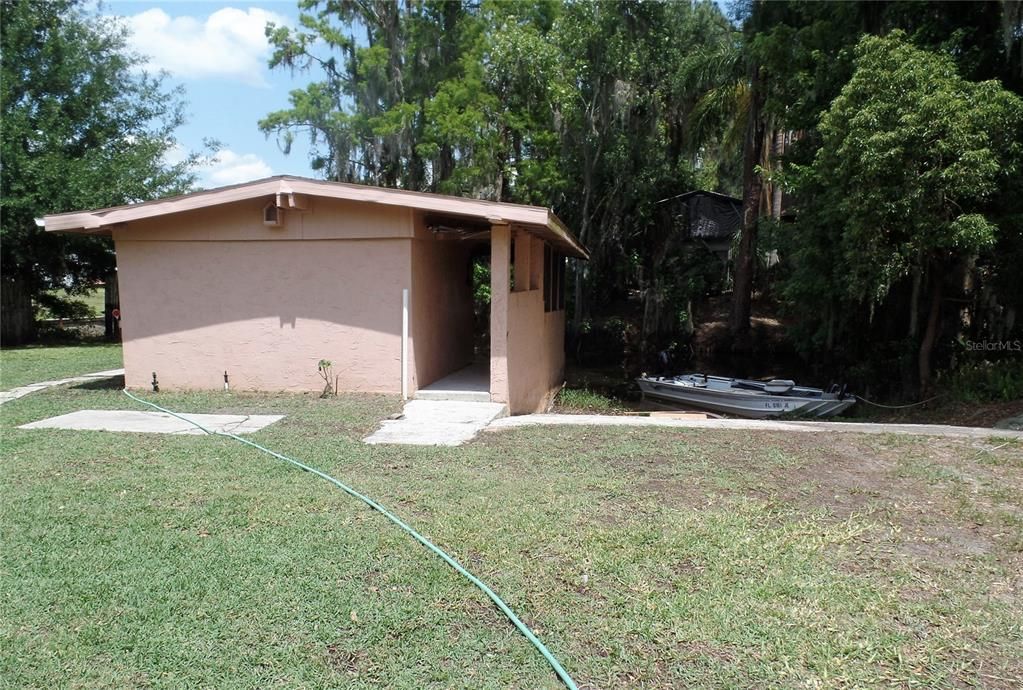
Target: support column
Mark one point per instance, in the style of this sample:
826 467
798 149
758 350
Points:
500 280
523 257
536 264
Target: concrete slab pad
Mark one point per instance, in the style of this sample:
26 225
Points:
437 423
133 421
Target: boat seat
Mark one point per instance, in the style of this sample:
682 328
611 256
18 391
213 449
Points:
779 386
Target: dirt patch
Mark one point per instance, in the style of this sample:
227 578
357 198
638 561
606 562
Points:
676 493
843 476
934 500
933 497
471 614
712 334
346 661
698 649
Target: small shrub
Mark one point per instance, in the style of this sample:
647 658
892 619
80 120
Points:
325 367
985 381
54 307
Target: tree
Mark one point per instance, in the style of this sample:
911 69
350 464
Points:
808 51
81 129
625 108
912 156
733 78
367 115
752 201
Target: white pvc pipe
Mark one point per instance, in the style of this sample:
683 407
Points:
404 344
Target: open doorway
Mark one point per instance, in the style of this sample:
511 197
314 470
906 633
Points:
479 275
462 340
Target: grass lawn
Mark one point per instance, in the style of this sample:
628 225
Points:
644 558
22 365
94 299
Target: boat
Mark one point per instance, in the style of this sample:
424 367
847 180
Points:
745 397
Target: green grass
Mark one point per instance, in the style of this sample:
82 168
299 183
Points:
585 400
22 365
643 557
93 300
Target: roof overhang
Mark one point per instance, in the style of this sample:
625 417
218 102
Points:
289 192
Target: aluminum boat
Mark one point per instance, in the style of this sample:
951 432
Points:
746 398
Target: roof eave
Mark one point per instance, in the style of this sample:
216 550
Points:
87 221
575 247
103 220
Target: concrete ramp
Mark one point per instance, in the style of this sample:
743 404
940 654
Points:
155 422
437 423
470 384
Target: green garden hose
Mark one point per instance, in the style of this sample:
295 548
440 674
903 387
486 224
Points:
523 628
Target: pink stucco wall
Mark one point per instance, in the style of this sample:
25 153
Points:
536 352
441 319
214 290
536 341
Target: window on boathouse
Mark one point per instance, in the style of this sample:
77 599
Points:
553 280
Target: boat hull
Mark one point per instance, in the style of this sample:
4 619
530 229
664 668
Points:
743 403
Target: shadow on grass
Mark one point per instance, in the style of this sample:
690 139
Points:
113 383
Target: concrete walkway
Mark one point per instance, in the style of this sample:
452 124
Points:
752 425
437 423
15 393
155 422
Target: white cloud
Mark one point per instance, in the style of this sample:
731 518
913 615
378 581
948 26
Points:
233 168
229 43
174 155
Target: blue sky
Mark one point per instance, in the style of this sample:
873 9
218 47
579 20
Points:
218 53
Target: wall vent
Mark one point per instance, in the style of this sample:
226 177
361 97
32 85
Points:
273 216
